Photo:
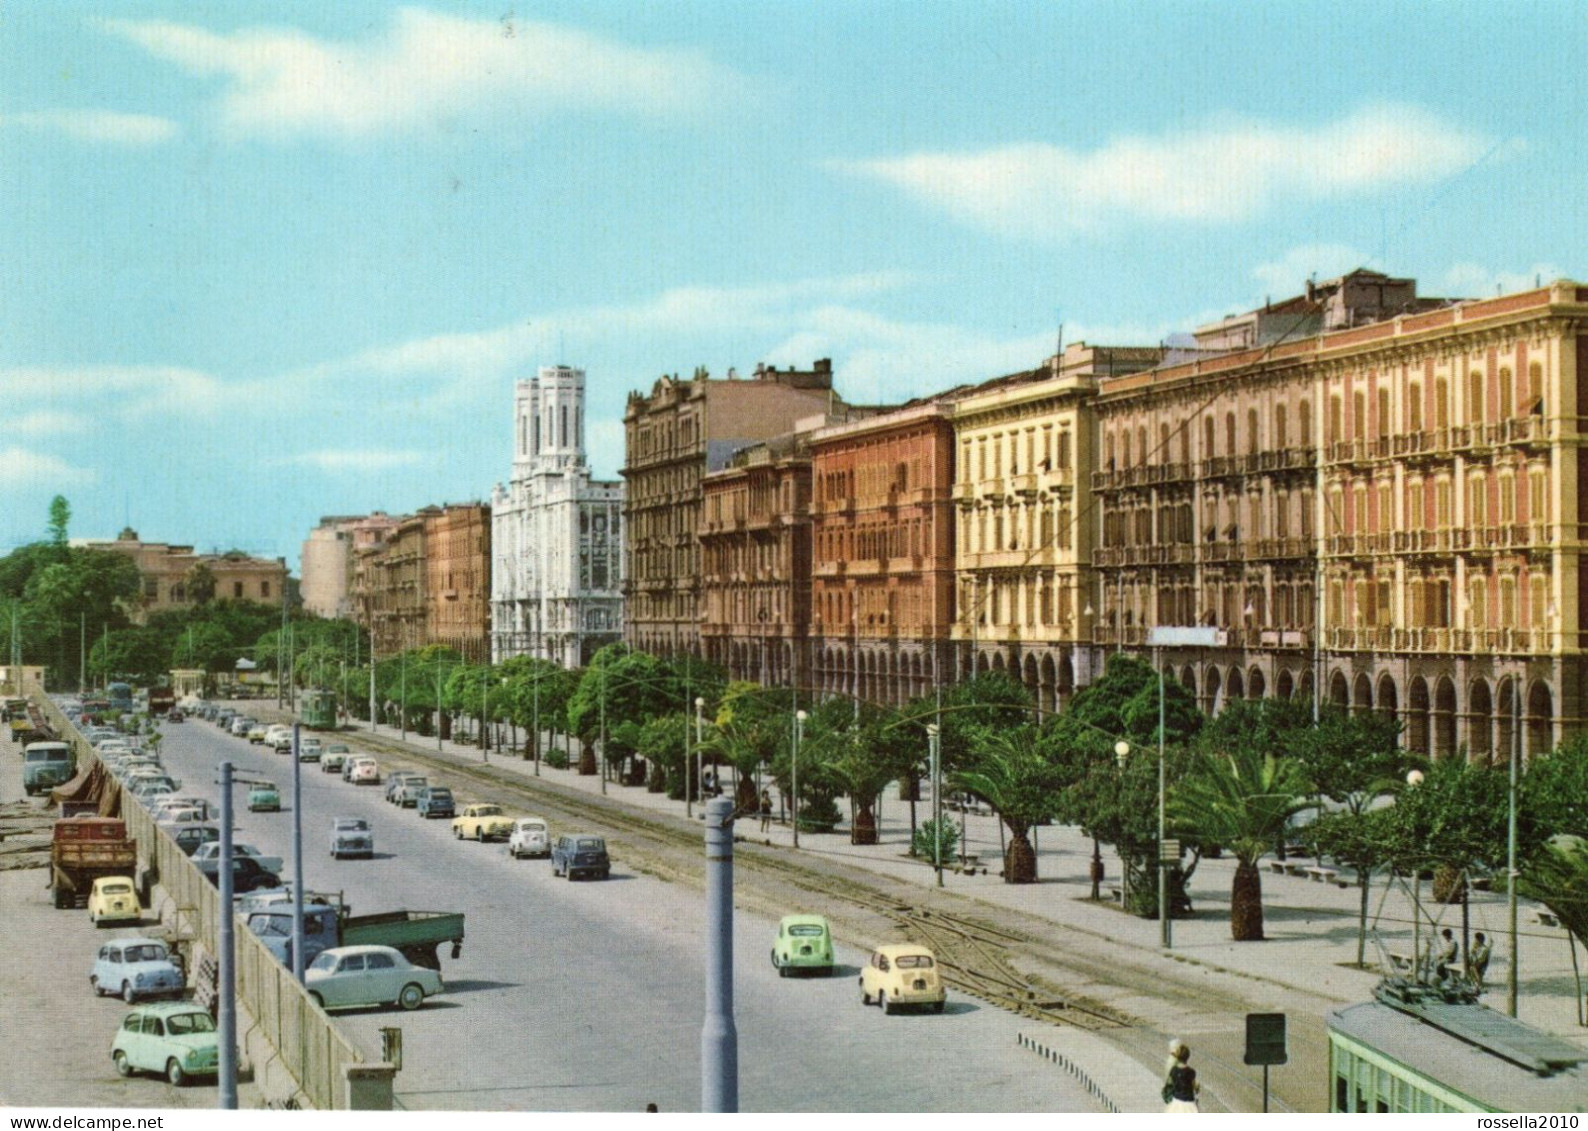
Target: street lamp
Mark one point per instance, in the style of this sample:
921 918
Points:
700 706
933 741
1510 846
794 773
1121 756
1414 779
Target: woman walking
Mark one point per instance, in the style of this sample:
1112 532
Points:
1180 1086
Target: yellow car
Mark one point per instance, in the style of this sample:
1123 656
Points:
902 974
113 900
482 823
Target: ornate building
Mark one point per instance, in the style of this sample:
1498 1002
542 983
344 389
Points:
556 589
169 574
1024 537
427 581
673 438
1404 469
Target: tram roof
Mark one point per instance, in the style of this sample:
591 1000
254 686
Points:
1441 1043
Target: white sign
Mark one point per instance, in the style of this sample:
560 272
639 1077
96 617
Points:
1189 636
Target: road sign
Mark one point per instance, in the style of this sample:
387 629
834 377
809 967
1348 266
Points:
1265 1039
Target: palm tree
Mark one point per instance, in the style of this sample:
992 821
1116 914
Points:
1242 799
1010 773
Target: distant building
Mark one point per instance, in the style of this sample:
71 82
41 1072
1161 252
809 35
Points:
426 581
170 577
557 534
326 568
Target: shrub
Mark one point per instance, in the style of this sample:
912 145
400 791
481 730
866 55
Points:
921 846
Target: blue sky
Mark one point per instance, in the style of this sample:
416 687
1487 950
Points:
264 262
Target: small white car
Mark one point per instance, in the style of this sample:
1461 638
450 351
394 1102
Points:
364 771
135 968
309 748
530 837
368 975
352 836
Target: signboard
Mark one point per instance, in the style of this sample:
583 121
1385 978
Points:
1265 1039
1168 851
1187 636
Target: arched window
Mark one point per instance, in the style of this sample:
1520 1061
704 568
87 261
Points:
1207 437
1141 445
1306 424
1475 396
1441 403
1281 437
1124 450
1535 388
1507 394
1414 408
1229 433
1251 431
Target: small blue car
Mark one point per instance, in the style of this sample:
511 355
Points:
435 801
135 968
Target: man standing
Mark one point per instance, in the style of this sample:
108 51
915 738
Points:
1478 959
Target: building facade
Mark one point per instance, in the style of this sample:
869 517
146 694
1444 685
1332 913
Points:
457 561
171 576
1023 546
557 534
1386 510
673 438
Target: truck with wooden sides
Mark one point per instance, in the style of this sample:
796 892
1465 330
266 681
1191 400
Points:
418 934
83 849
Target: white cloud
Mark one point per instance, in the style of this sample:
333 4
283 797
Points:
101 126
427 69
134 391
1471 280
1223 172
45 423
1288 275
22 469
357 459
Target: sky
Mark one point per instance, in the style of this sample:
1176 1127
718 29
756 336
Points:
261 263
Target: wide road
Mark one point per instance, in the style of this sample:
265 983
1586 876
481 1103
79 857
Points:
588 996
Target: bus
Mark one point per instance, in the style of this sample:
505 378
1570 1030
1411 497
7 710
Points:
1425 1048
120 696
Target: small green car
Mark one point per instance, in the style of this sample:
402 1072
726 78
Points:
804 942
174 1039
264 798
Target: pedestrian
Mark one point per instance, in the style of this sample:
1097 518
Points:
1445 965
1478 959
766 809
1180 1085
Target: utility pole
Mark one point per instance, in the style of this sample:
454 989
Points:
1510 847
719 1038
297 859
82 648
226 1022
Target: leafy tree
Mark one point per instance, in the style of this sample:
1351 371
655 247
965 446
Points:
134 654
60 519
1351 758
1553 794
621 689
526 696
864 753
1557 876
1455 818
1361 841
661 743
199 582
1010 772
991 701
1242 796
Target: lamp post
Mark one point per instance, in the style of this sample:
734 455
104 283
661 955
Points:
536 739
794 771
700 706
1415 779
933 742
226 976
1121 756
1510 846
690 787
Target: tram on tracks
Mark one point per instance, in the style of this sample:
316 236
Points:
1425 1048
317 709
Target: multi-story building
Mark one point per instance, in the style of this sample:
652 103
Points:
1412 462
557 534
389 587
427 581
882 589
174 577
1024 536
673 438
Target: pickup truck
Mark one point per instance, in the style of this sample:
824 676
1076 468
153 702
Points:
82 850
418 934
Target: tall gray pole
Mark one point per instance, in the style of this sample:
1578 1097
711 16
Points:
227 1020
700 757
1510 847
933 740
82 649
297 859
794 772
719 1039
690 789
538 674
373 725
1166 938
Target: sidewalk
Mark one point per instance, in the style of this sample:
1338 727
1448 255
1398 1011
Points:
1310 924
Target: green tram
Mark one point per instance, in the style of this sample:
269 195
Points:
1421 1048
317 709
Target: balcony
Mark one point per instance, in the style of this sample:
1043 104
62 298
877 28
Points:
1529 431
1223 467
1223 552
1023 484
1271 548
990 489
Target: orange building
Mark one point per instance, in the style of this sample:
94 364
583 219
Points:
428 581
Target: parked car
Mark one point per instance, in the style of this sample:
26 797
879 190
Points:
334 758
804 942
175 716
901 974
368 975
482 823
113 899
577 854
175 1039
135 968
247 875
182 815
190 837
529 837
279 739
241 725
397 779
264 798
309 748
363 770
256 734
211 853
352 836
434 801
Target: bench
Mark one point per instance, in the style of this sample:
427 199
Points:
1546 918
969 863
1277 866
1400 961
1321 875
1294 869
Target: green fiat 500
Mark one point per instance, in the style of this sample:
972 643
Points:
804 942
176 1040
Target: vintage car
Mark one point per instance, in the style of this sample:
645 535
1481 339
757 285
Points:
257 733
334 758
804 942
434 801
397 780
174 801
135 968
352 836
174 1039
309 748
113 899
210 854
529 837
247 875
482 822
901 974
368 975
190 837
362 770
172 815
279 739
241 725
580 854
264 798
175 716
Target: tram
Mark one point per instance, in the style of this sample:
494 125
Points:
1425 1048
317 709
